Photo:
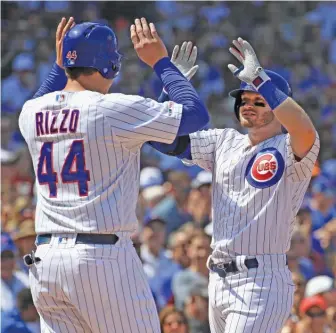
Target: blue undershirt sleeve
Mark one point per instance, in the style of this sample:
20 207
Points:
55 81
194 115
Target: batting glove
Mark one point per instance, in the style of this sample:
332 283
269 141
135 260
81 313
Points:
184 59
250 72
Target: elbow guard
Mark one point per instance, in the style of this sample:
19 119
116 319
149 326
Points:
181 146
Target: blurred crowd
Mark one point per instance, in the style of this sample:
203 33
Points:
296 39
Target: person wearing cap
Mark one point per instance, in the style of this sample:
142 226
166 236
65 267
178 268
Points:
199 201
153 195
157 265
196 307
314 316
323 202
150 184
260 179
322 285
12 281
150 176
24 239
20 85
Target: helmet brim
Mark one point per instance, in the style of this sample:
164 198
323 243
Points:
237 92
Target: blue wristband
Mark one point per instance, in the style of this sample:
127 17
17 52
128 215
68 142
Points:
264 85
161 65
273 96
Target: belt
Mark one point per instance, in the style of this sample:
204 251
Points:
82 239
223 269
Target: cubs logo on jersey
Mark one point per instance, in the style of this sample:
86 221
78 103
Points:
265 168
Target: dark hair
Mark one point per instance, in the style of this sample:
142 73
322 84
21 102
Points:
24 299
73 73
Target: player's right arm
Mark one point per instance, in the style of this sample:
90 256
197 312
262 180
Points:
134 119
201 143
153 52
56 79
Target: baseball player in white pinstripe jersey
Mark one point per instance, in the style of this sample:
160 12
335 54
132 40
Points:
259 181
85 146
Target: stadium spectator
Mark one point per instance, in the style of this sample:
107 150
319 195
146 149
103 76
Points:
23 320
173 320
158 267
12 281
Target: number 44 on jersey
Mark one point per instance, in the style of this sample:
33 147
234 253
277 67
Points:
73 170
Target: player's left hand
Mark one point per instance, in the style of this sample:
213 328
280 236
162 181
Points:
62 28
184 59
245 54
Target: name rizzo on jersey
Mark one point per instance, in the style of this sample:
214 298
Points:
85 150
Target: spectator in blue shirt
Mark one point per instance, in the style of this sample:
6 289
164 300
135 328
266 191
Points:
198 253
23 320
323 208
157 264
12 282
21 85
172 209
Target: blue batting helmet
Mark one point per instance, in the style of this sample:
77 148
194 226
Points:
277 79
92 45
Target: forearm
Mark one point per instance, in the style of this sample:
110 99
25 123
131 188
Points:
55 81
292 117
179 148
195 115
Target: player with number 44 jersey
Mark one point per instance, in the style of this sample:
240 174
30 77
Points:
85 146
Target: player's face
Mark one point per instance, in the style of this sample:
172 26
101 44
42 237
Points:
254 112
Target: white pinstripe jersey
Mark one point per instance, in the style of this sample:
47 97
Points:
85 149
257 190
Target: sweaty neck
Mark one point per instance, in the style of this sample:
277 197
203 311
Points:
260 134
72 86
86 83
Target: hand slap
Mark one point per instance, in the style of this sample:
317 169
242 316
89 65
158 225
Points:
147 43
244 53
184 59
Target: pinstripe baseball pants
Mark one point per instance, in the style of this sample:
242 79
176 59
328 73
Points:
92 288
257 300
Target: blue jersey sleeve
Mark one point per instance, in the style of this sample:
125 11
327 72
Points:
55 81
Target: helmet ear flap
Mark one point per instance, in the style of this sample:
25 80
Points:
237 105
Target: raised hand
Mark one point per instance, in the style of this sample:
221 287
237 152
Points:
62 28
184 59
245 54
147 43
